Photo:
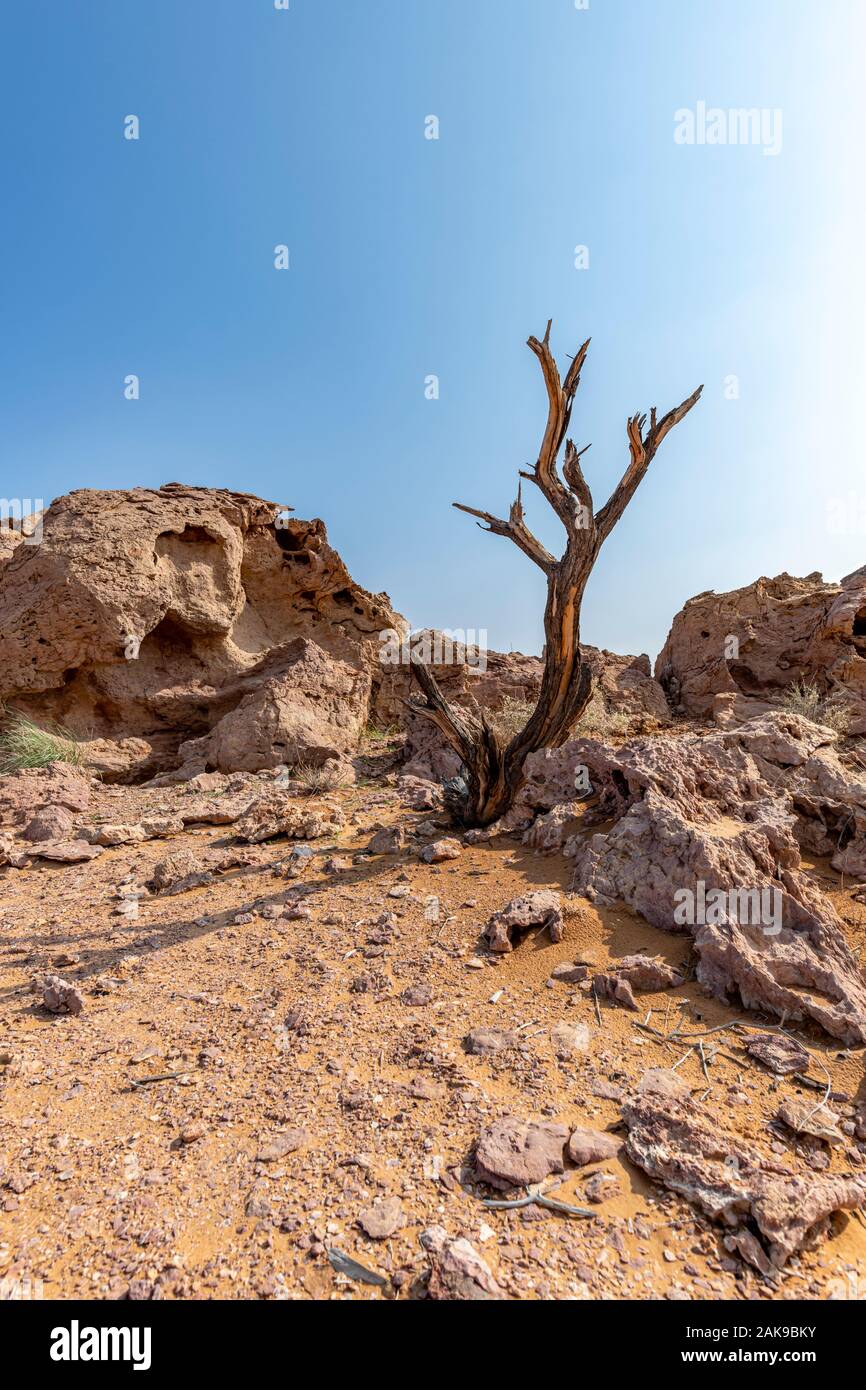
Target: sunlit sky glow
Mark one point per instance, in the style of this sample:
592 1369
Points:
412 257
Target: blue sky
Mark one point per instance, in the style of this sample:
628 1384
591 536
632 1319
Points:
412 257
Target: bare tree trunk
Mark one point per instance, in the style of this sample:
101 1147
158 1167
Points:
493 771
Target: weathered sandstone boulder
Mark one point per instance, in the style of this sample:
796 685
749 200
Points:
58 787
300 705
785 630
153 616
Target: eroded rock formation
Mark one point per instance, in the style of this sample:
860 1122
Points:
785 630
705 840
148 619
770 1211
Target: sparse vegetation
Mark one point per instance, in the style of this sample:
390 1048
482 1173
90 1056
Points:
376 735
511 717
317 779
24 744
806 699
597 721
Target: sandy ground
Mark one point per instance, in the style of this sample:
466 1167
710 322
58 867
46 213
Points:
110 1189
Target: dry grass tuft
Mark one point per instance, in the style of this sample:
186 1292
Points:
806 699
24 744
597 721
317 779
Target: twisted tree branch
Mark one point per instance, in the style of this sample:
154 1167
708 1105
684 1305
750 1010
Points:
494 773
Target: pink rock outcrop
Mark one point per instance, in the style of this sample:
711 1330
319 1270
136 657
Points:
704 842
679 1143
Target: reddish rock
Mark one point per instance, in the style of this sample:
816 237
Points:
539 911
514 1153
440 851
711 810
647 974
813 1119
275 816
60 786
66 851
485 1042
780 1053
615 988
282 1144
569 1039
680 1144
388 841
457 1271
51 823
417 996
59 996
569 972
591 1146
297 705
383 1219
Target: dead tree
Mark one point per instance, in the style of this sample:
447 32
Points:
493 773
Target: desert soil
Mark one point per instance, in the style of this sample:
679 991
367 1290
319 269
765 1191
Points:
180 1188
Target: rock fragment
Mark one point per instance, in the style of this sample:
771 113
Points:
569 973
179 873
601 1186
66 851
49 823
417 996
539 910
587 1146
274 816
815 1121
440 851
109 835
512 1152
383 1219
569 1039
388 841
486 1042
282 1144
647 974
678 1142
780 1053
457 1271
59 996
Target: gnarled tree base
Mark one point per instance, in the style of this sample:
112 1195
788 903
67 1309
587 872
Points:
492 772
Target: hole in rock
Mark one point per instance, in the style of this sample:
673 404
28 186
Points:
190 535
